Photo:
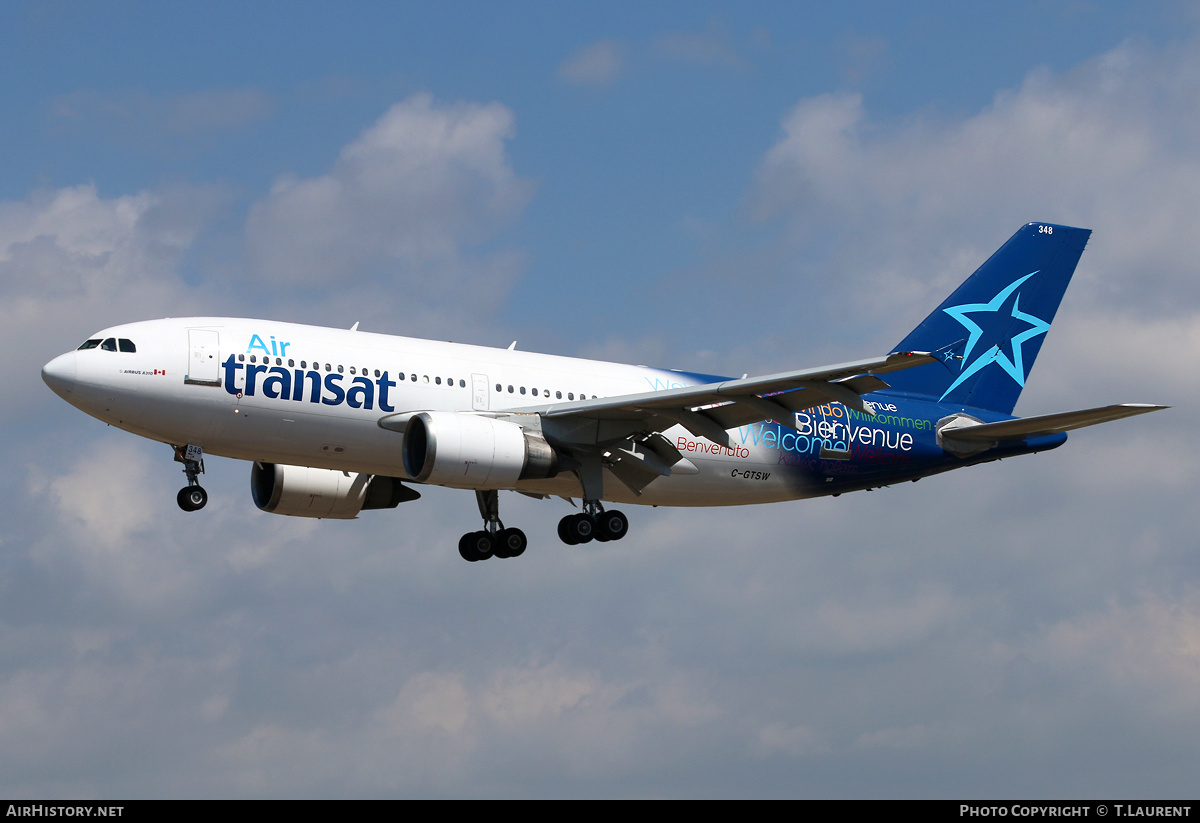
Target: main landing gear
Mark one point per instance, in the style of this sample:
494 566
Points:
192 496
493 540
593 523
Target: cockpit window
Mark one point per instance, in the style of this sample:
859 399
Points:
109 344
126 345
90 344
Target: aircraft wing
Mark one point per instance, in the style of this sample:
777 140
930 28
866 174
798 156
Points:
710 409
1027 428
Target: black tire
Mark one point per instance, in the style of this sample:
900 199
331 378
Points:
482 545
512 542
613 525
582 528
191 498
564 530
464 548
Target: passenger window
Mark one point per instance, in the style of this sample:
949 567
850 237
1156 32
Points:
241 358
462 384
351 370
109 344
414 378
522 390
497 385
328 367
570 395
252 360
377 372
292 363
424 378
278 361
437 380
339 368
510 389
558 395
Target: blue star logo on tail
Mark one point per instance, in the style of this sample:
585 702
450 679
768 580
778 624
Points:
999 323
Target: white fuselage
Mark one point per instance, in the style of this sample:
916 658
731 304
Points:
313 396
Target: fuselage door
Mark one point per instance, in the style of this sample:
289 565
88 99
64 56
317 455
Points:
479 392
204 359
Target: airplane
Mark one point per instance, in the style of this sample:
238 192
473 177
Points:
340 421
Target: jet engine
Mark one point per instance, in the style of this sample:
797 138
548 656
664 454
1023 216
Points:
301 491
473 452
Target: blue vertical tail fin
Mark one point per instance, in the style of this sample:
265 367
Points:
989 331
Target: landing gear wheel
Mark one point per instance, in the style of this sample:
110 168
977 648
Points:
494 540
465 550
510 543
579 528
611 525
564 530
476 546
191 498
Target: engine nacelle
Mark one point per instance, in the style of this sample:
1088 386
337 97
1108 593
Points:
301 491
473 452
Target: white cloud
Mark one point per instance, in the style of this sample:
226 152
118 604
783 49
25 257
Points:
430 702
883 219
913 737
863 57
400 206
72 262
104 493
797 741
598 64
1149 650
710 47
139 116
98 246
968 630
519 695
1108 146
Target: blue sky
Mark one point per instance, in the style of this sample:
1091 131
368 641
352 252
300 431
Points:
704 186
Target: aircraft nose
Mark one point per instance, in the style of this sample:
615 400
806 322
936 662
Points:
59 374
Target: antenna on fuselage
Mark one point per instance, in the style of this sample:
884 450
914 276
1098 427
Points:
512 346
355 326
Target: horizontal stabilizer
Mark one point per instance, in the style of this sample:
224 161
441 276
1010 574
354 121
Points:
1030 427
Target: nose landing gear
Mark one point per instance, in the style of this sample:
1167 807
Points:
191 497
